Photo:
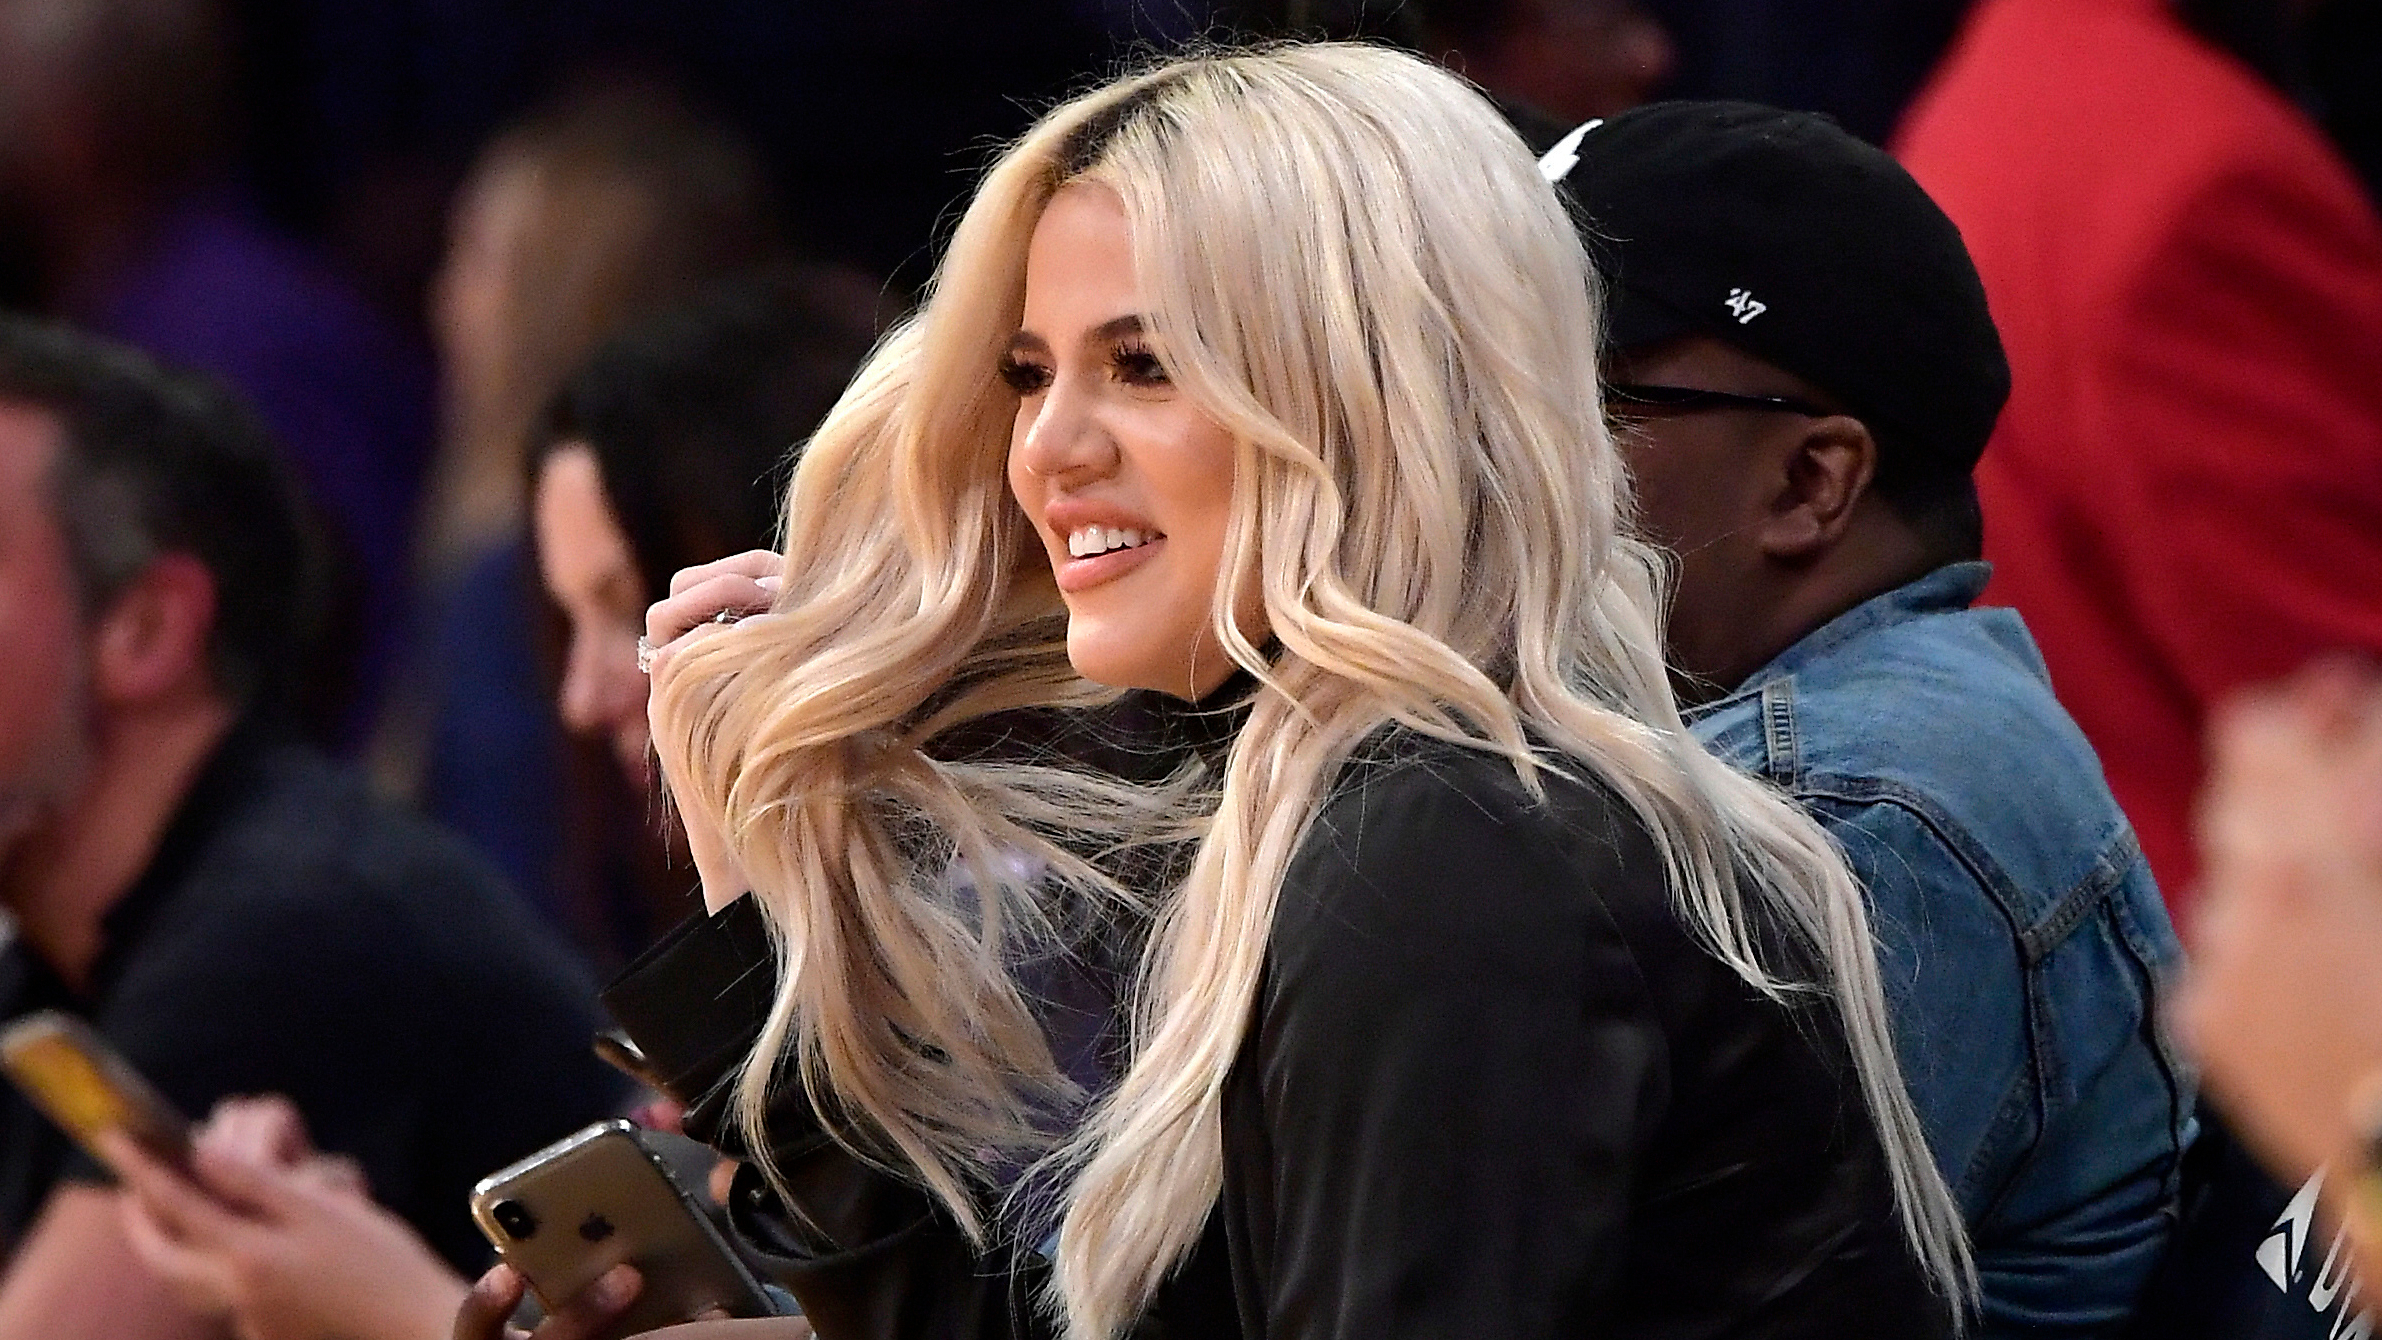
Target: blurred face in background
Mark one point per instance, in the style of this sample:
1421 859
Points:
591 573
27 81
493 231
1572 59
538 269
485 352
43 743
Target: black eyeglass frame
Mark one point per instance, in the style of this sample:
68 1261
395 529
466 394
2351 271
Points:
1621 396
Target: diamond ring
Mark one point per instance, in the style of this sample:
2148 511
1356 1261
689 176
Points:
646 651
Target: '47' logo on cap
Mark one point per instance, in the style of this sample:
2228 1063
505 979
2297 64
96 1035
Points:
1741 301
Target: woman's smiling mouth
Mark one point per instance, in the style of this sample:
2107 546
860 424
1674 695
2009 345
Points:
1092 541
1101 554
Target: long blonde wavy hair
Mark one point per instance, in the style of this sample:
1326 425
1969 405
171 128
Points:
1351 263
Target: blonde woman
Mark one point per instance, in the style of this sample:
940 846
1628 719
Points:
1476 999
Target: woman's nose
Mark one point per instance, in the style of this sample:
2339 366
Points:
1063 439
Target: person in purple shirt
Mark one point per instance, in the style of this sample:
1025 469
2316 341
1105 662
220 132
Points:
112 152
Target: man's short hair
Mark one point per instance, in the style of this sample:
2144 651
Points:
1936 499
152 462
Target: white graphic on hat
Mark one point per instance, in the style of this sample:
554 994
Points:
1741 301
2286 1247
1557 163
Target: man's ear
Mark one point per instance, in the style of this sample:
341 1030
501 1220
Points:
1827 471
154 636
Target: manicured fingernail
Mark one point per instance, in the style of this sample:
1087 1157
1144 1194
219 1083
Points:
769 584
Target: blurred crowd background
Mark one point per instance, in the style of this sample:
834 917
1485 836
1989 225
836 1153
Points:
400 226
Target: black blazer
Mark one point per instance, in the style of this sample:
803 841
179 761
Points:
1492 1088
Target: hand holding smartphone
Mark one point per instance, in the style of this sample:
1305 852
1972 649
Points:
574 1210
77 1080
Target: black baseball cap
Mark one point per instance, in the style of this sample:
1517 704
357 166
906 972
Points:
1779 233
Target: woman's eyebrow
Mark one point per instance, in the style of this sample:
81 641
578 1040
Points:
1107 332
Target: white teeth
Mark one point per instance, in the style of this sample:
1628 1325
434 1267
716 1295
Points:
1093 540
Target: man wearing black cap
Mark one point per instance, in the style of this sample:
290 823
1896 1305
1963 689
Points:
1803 374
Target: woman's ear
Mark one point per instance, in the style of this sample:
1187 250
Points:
1827 471
153 637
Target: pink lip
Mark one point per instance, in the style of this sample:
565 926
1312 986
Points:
1082 574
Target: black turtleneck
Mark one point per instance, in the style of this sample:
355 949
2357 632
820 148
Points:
293 934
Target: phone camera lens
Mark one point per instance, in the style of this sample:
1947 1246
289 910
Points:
515 1219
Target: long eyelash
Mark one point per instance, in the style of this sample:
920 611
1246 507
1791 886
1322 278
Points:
1022 377
1139 363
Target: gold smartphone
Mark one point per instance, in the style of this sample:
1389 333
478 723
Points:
81 1083
579 1207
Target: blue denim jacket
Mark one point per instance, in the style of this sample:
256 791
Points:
2022 940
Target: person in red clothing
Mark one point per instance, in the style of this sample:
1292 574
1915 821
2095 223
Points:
2184 494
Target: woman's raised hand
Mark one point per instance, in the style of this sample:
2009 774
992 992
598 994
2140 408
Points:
719 592
280 1241
700 598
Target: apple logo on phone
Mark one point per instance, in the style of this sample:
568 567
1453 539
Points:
595 1228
